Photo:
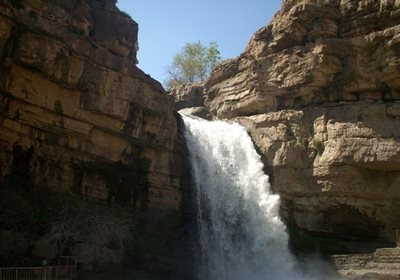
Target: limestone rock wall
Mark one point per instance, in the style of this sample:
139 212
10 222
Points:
335 168
70 92
313 52
319 90
383 264
319 87
189 99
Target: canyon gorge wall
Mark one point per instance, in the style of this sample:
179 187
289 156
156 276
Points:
71 93
319 91
78 118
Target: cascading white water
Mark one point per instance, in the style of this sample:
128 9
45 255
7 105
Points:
241 234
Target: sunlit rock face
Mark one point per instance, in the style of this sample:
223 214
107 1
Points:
70 92
336 169
319 90
313 52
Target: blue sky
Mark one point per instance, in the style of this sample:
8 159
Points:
165 26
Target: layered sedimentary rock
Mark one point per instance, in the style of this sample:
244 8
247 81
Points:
383 264
319 90
336 168
72 96
78 117
190 99
312 52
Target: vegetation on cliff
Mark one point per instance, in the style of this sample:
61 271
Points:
193 64
46 224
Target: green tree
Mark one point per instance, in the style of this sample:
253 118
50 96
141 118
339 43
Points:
193 64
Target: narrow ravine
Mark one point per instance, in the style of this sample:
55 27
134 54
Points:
241 234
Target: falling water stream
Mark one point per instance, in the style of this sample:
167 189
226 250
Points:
241 234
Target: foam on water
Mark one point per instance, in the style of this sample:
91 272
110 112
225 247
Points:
241 234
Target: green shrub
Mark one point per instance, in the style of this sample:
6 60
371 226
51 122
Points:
289 132
125 182
318 147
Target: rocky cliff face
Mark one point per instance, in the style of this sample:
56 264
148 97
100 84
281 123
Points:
319 90
313 52
78 117
189 99
71 96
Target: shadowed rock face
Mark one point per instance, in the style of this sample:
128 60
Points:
189 99
77 116
70 91
319 90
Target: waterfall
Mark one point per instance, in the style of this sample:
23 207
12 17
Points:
241 234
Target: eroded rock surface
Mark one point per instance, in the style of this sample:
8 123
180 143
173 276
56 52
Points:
313 52
70 93
78 117
189 99
336 168
383 264
319 90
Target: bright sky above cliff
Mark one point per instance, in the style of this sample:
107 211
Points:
165 26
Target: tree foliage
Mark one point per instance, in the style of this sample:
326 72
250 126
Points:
193 64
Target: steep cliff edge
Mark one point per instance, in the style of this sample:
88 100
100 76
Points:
71 93
313 52
319 90
82 128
